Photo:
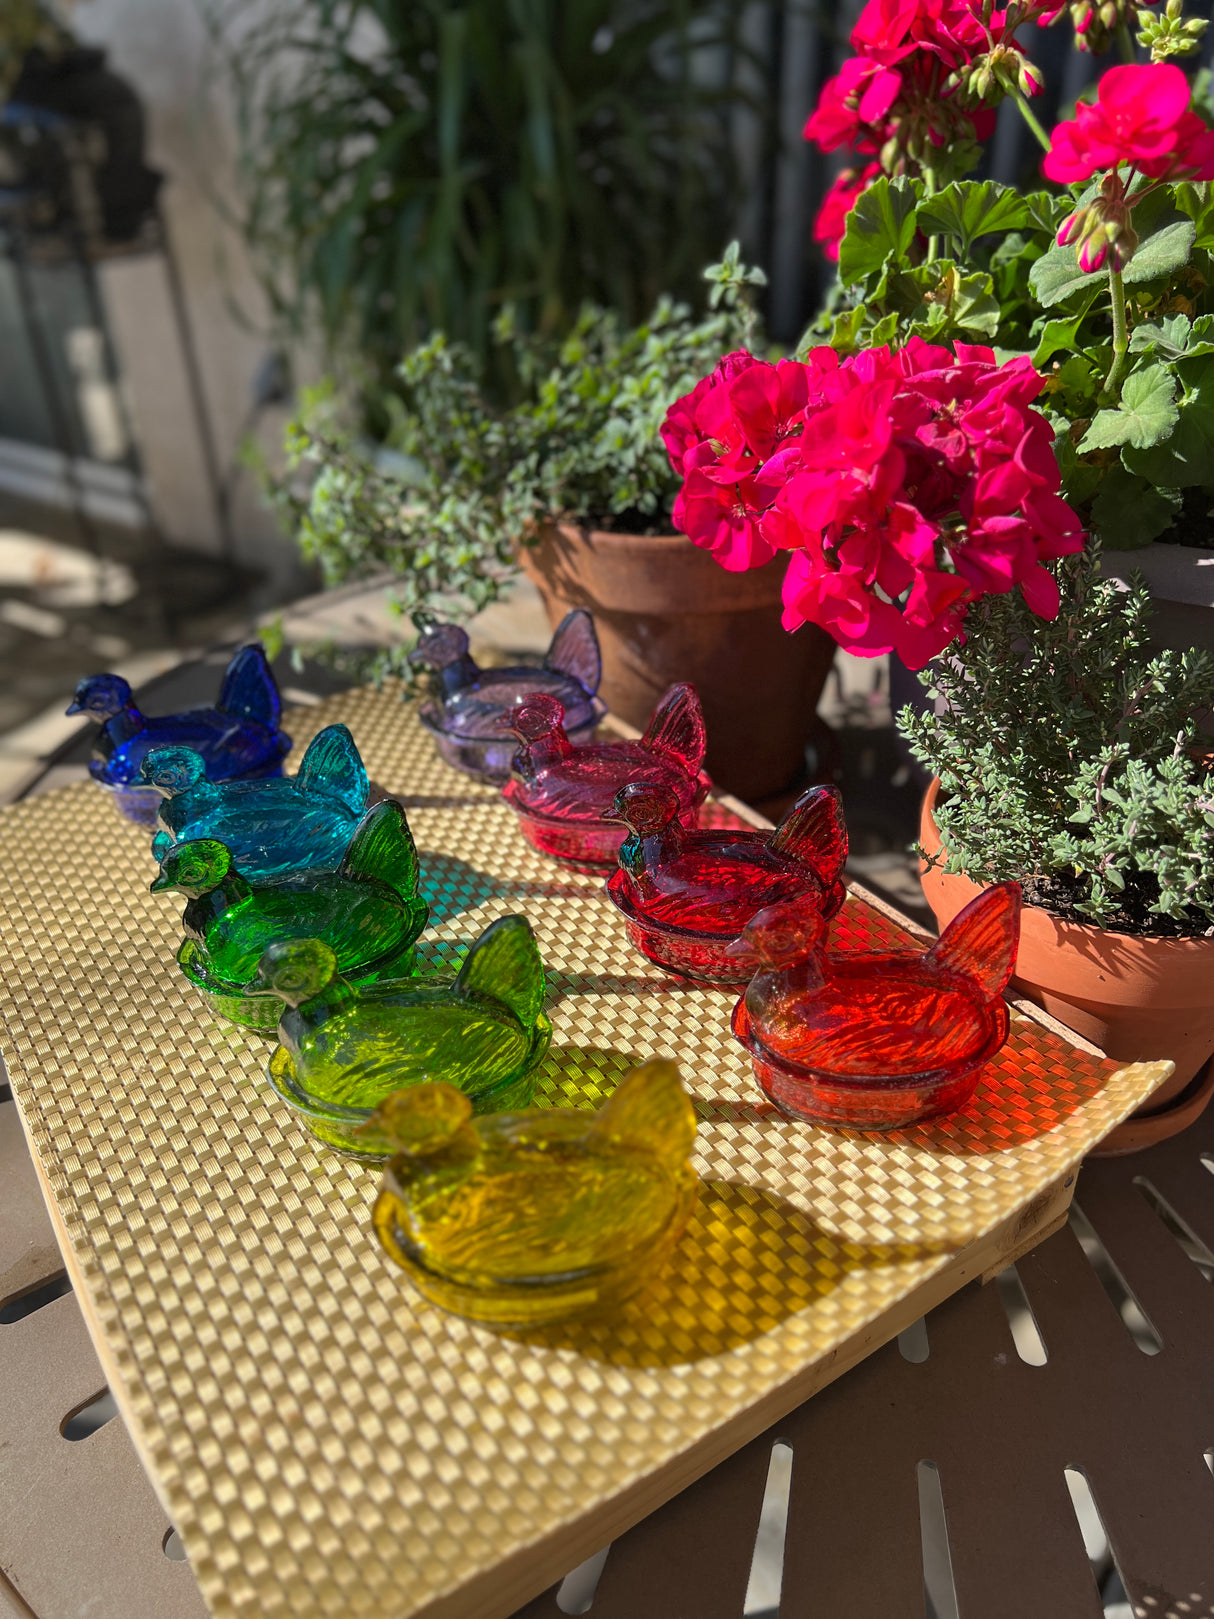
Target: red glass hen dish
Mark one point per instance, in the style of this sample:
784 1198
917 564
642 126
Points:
563 795
875 1042
686 895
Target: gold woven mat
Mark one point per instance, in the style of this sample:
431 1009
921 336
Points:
327 1444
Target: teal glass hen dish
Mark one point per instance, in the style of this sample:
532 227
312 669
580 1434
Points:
367 911
344 1049
270 827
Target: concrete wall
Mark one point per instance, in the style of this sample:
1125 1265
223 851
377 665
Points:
159 46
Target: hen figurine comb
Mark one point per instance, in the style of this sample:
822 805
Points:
563 796
875 1042
686 895
465 713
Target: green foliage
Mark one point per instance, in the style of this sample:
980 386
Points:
415 167
978 262
464 481
1064 754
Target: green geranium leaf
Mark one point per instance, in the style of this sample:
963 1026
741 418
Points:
975 307
845 331
1184 460
1127 512
881 225
1161 253
1146 414
970 208
1058 337
1056 275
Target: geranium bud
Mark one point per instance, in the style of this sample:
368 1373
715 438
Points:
1175 10
1072 227
1031 79
1108 14
1123 249
982 83
1094 251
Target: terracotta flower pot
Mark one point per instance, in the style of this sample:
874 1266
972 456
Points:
1136 997
665 611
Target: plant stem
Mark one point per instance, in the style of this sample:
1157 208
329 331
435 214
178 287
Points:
1121 337
929 190
1030 118
1125 44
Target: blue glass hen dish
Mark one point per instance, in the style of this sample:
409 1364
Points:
270 827
238 739
367 911
344 1049
464 714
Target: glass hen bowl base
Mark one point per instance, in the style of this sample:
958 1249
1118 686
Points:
868 1101
487 756
340 1127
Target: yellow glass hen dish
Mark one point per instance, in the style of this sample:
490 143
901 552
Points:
519 1219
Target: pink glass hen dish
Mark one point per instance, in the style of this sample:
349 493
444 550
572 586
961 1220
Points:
563 795
875 1042
686 895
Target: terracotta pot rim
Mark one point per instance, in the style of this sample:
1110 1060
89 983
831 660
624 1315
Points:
1158 941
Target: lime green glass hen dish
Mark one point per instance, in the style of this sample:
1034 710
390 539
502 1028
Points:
367 911
344 1049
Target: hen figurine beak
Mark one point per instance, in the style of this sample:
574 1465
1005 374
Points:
744 953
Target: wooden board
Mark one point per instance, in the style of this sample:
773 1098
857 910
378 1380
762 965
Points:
326 1443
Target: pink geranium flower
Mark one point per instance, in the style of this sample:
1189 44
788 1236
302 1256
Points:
1141 116
905 486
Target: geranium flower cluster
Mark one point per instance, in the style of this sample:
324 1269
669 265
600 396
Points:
924 83
905 485
1142 118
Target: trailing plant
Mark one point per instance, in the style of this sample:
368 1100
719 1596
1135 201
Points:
463 481
1070 760
411 168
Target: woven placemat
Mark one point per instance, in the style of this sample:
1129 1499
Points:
327 1444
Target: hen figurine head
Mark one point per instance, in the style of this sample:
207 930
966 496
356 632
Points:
439 646
297 970
194 868
782 935
536 717
645 806
173 770
100 697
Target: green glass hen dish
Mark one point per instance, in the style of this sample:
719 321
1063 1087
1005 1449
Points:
367 911
344 1049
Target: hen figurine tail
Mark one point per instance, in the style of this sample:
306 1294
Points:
333 764
676 729
650 1112
249 691
504 965
382 850
814 833
980 942
575 650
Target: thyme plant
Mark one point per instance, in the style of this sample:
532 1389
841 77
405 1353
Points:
1071 760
